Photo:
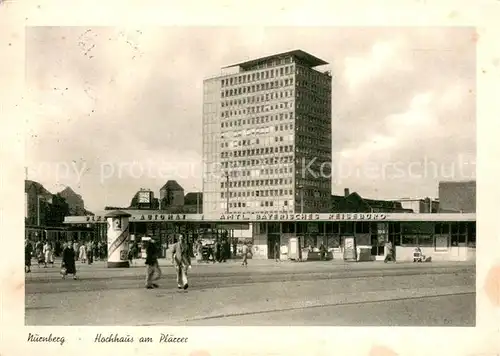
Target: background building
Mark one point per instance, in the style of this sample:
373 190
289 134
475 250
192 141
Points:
419 205
75 202
457 197
261 127
354 203
171 200
172 194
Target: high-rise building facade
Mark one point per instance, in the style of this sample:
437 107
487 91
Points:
267 144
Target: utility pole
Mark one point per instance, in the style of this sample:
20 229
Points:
227 192
38 210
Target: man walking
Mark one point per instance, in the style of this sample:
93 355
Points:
390 252
276 251
152 267
244 252
181 258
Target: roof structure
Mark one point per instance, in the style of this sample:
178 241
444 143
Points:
172 185
304 57
29 184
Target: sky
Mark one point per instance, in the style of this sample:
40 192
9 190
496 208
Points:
114 110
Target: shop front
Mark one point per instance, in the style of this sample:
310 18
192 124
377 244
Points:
359 237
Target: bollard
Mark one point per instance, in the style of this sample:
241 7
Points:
118 239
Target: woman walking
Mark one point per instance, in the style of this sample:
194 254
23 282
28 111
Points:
83 253
68 265
48 253
28 251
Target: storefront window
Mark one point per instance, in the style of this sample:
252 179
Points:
347 227
288 228
409 240
332 241
425 240
362 227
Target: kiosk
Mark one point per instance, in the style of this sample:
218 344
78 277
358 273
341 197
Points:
118 238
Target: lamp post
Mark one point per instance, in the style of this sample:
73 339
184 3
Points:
38 210
227 192
197 199
301 187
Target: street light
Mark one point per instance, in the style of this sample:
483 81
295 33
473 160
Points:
38 210
197 199
301 187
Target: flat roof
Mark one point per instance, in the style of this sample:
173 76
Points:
308 58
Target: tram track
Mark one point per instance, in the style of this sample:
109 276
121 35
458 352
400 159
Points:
228 280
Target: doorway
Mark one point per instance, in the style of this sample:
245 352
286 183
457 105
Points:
272 238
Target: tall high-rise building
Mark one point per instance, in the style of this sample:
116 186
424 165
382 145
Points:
267 144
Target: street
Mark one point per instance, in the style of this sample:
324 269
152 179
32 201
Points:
264 293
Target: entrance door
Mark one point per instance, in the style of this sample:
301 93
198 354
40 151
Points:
272 238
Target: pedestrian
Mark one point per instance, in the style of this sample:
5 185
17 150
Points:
90 252
28 251
182 261
76 249
132 253
224 251
83 253
389 252
245 255
322 252
235 245
48 254
276 251
217 251
68 265
153 271
199 252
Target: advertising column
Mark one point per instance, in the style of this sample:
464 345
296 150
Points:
118 239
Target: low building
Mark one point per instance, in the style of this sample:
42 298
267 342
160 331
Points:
457 197
349 236
354 203
420 205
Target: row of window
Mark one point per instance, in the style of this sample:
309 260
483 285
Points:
251 77
258 120
258 109
316 183
256 151
257 183
314 77
271 129
313 120
287 82
280 160
257 98
322 100
267 171
258 193
266 203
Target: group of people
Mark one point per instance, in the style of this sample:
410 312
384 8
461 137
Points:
43 252
181 259
69 251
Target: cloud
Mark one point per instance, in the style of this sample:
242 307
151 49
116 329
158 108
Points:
123 95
